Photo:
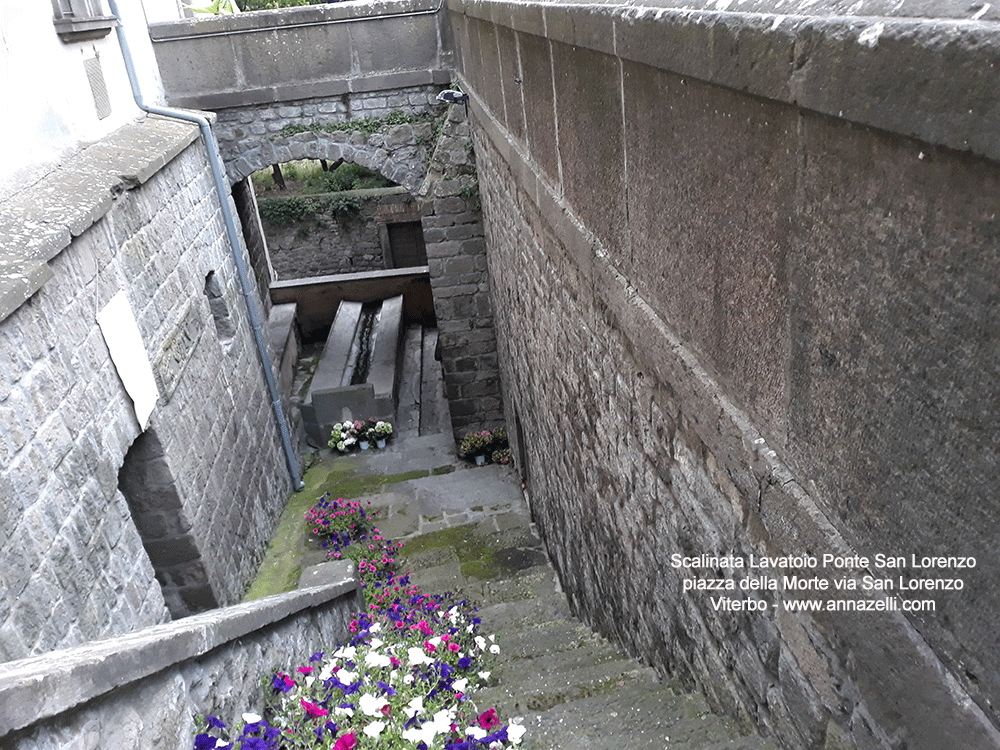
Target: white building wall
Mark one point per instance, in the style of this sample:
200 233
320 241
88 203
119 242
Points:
50 110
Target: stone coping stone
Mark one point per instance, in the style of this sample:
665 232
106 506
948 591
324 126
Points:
270 20
384 371
851 62
44 686
38 223
280 323
344 278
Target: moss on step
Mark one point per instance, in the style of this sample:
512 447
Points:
479 556
291 549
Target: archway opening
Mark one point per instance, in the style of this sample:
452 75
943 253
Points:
147 482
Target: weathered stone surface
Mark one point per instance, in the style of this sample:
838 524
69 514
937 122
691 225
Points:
727 372
145 689
327 242
76 566
456 254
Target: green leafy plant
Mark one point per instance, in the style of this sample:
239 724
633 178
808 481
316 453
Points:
285 211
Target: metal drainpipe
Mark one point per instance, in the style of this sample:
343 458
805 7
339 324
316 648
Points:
222 188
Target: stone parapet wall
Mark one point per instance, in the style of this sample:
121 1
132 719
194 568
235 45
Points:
72 563
319 51
730 325
147 688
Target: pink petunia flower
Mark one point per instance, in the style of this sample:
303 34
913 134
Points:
313 710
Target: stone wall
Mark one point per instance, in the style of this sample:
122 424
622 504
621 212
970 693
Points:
456 256
72 563
330 242
728 325
146 689
331 52
253 137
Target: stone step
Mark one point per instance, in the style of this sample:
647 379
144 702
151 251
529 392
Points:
556 679
548 638
571 688
636 715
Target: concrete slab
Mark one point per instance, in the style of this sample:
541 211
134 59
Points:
408 407
334 571
435 417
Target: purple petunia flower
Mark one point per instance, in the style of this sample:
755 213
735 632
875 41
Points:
318 656
205 742
386 688
215 721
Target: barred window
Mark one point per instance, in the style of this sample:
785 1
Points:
80 20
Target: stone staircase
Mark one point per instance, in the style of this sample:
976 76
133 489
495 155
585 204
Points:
468 530
571 687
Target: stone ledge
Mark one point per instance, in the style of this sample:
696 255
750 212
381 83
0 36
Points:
39 222
45 686
273 20
854 67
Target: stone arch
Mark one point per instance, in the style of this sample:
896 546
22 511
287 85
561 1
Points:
398 152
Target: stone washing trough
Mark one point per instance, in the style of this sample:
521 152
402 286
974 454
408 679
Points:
358 373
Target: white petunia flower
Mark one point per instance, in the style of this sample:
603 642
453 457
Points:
371 705
425 734
476 732
345 652
341 711
346 677
416 655
374 729
375 628
459 686
494 649
415 706
484 676
251 718
373 659
481 642
515 732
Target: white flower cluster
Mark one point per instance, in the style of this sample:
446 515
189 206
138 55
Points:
387 675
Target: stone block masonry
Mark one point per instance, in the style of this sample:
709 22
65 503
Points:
146 689
72 558
330 242
730 326
456 256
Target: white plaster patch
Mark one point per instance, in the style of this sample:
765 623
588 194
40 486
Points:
869 37
121 332
777 22
981 12
723 4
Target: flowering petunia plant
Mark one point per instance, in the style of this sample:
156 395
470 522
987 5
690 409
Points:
406 679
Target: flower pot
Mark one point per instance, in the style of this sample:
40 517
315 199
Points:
480 460
363 444
380 444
